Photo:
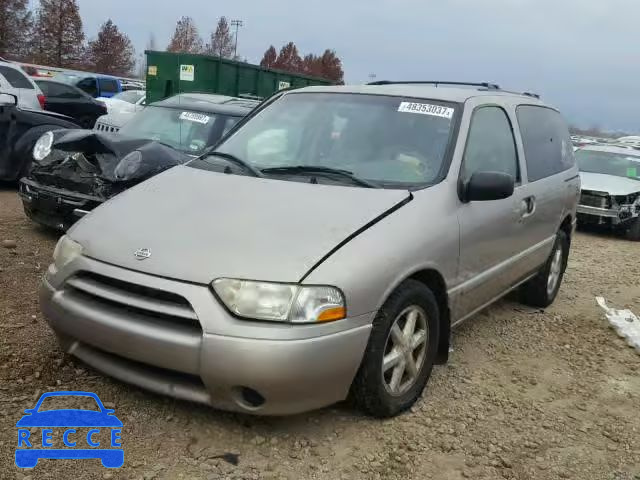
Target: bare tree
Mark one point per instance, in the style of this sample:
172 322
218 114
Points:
15 25
221 40
186 37
112 51
58 38
269 58
289 59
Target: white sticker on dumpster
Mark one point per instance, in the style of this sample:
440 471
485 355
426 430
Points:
187 73
195 117
426 109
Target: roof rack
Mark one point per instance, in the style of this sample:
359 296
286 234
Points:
487 85
484 85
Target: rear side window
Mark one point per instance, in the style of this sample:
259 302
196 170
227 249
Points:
546 140
108 86
15 78
490 145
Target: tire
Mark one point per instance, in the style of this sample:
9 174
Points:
538 291
633 232
372 389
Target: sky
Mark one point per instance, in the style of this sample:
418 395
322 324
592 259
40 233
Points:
582 56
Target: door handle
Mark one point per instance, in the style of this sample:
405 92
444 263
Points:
528 207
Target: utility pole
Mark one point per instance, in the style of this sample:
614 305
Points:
237 24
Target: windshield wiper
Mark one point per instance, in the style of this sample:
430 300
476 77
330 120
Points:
233 159
317 169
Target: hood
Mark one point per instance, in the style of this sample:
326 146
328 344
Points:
89 154
201 225
116 105
611 184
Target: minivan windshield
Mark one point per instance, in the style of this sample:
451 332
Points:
609 163
392 142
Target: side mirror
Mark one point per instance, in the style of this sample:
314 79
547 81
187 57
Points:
485 186
8 99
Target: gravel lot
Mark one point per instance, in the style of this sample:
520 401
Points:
527 394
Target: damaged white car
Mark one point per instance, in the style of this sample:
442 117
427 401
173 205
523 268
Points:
610 188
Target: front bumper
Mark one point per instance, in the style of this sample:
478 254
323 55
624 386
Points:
610 216
203 355
54 207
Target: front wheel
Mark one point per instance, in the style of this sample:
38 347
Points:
401 352
543 289
633 232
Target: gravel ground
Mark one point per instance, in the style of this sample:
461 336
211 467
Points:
527 394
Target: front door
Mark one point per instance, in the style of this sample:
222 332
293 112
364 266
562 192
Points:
490 241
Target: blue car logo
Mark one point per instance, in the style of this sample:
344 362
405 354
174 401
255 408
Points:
69 433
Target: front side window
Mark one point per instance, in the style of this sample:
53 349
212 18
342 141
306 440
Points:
393 141
546 140
181 129
490 145
15 78
609 163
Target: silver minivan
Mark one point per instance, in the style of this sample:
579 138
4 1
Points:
324 250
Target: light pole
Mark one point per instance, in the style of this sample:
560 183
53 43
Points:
237 24
372 77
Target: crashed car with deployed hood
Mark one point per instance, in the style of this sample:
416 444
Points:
20 129
325 248
610 188
75 171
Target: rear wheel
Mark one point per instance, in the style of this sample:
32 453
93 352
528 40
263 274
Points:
401 352
542 290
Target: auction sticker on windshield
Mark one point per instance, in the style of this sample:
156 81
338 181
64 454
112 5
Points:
195 117
426 109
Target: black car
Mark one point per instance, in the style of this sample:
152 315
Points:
71 101
20 129
82 169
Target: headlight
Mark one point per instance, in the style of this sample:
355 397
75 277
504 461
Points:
66 250
281 302
42 148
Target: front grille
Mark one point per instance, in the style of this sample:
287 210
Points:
590 199
134 299
102 127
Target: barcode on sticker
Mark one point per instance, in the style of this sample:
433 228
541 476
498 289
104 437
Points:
426 109
195 117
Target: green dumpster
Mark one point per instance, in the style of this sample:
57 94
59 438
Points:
172 73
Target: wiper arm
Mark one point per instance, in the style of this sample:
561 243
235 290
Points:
321 170
233 159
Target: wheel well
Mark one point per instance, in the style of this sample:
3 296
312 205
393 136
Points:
434 281
567 227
